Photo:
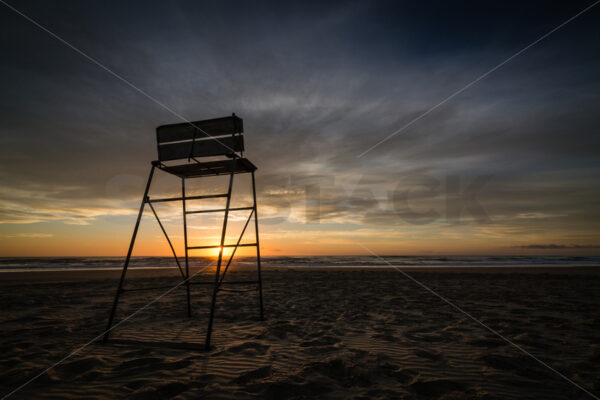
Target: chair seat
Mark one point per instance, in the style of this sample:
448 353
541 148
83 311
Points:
210 168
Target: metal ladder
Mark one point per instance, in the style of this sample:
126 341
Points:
219 278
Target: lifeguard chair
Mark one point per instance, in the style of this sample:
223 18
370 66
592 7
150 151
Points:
195 142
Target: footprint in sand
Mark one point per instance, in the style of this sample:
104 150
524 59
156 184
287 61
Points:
249 349
437 387
167 391
429 355
82 366
321 341
259 373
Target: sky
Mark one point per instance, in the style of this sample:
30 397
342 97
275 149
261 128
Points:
510 165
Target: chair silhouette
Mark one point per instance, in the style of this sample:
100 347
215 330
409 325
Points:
219 138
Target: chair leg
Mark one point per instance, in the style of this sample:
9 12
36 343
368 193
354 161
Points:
260 294
220 259
128 258
185 239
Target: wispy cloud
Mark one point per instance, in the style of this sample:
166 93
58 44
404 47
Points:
26 235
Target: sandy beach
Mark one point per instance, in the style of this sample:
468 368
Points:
329 333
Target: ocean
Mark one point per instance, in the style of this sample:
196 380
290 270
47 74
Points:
80 263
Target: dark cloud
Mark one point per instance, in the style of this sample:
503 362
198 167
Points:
557 246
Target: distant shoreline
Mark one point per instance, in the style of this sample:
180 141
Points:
317 267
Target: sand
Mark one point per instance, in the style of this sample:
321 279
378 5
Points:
359 333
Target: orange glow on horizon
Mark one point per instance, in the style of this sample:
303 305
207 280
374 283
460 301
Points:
226 252
111 240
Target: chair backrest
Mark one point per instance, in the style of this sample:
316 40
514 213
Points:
210 137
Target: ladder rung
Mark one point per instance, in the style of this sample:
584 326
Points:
219 210
208 196
217 246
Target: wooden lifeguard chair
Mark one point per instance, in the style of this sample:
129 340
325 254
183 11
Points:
219 138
